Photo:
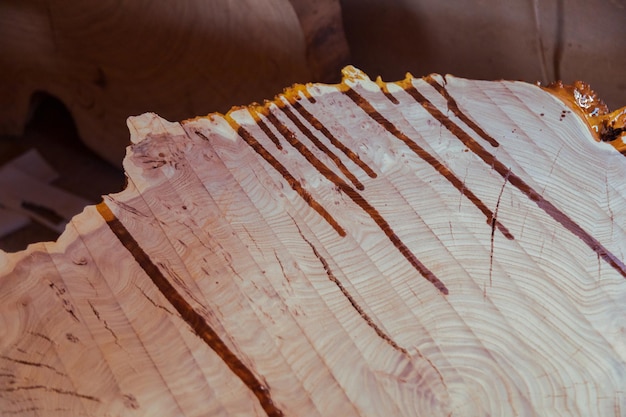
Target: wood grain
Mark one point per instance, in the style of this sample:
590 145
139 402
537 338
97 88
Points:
435 246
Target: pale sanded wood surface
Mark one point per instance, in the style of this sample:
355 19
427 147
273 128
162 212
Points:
432 247
111 59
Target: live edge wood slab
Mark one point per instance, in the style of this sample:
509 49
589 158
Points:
430 247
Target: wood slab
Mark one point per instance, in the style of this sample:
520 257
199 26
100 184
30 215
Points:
431 247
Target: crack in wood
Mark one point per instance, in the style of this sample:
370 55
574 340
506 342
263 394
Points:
368 320
67 304
154 303
493 231
504 171
29 363
425 156
50 389
360 201
41 335
105 324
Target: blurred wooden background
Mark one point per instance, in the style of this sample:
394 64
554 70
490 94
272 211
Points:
72 72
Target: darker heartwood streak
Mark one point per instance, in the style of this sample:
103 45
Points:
354 195
512 178
198 324
426 157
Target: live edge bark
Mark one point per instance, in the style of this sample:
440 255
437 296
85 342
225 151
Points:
434 246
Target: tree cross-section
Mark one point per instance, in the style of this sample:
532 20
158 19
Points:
430 247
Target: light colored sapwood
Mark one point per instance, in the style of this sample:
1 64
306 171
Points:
432 247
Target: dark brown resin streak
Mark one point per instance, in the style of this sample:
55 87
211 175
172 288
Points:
454 107
313 121
360 201
352 301
267 131
344 170
390 97
520 184
293 182
187 312
428 158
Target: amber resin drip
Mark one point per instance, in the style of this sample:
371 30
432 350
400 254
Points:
606 126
